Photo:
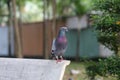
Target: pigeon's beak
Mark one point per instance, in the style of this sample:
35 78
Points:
66 29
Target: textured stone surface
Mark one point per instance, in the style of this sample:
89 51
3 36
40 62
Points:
31 69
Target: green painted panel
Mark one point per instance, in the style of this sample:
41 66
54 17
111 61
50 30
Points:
89 46
72 39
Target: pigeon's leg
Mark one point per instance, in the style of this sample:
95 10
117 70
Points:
61 57
57 59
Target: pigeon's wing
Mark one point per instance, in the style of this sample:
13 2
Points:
53 45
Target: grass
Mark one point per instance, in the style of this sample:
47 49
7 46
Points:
77 66
81 66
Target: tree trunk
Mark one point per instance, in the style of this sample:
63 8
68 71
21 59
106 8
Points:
18 50
10 26
54 18
45 31
20 24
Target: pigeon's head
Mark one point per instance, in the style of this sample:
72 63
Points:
65 29
62 31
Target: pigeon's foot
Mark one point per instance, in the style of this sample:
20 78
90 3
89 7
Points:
59 60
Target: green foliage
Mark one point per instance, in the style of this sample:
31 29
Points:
73 7
106 67
111 6
31 10
107 22
108 31
3 11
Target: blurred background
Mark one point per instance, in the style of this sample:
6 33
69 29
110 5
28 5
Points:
27 29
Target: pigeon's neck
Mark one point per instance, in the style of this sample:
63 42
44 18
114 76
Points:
61 33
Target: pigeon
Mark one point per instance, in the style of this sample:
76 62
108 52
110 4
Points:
59 45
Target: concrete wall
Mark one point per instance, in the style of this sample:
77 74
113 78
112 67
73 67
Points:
31 69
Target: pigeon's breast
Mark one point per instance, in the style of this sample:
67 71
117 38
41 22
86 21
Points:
62 40
61 43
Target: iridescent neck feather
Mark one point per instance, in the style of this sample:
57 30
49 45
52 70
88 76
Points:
61 33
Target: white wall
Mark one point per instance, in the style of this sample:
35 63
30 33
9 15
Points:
77 23
104 51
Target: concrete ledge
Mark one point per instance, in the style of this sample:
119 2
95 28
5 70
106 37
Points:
31 69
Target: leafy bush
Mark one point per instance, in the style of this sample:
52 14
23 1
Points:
105 67
107 22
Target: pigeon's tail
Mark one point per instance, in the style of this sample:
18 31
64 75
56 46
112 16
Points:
53 49
52 54
53 45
